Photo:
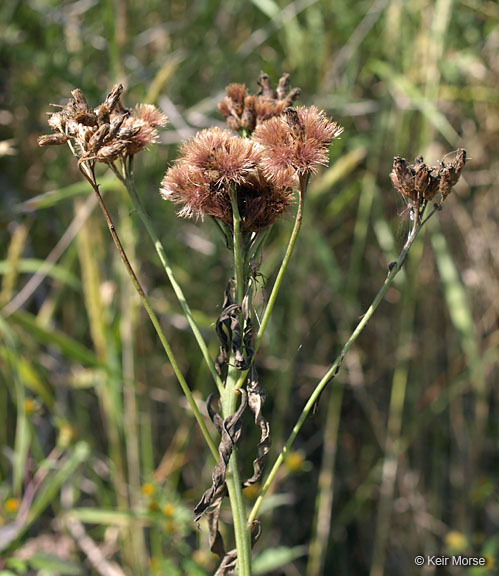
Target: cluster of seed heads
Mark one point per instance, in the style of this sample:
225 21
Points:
105 133
418 183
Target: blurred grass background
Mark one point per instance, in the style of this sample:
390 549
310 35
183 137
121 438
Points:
100 461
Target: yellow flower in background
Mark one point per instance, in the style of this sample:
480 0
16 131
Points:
252 491
29 406
168 510
489 561
67 434
295 460
11 505
148 489
456 541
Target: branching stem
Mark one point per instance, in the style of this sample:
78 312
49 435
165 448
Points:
87 171
394 269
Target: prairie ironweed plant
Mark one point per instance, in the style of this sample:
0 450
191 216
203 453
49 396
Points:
245 182
244 178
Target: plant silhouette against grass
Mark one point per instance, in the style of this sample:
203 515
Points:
244 178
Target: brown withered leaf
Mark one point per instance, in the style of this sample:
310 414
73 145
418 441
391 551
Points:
230 431
232 338
211 501
256 400
228 563
228 329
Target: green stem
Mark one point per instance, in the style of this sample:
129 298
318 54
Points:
280 274
89 175
129 183
238 256
395 268
234 486
229 400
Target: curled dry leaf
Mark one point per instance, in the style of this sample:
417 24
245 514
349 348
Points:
230 432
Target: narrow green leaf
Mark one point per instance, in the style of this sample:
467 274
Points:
53 337
54 481
28 375
274 558
427 107
339 169
105 517
54 565
456 297
268 7
49 199
32 265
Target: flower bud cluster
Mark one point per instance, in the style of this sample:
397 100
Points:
105 133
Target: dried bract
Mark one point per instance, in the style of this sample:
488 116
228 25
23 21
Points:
106 133
450 173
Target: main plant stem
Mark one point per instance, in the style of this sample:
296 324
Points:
234 486
89 175
394 269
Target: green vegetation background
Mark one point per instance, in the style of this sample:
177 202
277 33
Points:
98 451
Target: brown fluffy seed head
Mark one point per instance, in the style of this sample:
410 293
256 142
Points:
141 128
295 143
226 158
213 165
197 195
107 132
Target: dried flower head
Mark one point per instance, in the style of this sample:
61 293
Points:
213 165
295 143
243 111
418 183
107 132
